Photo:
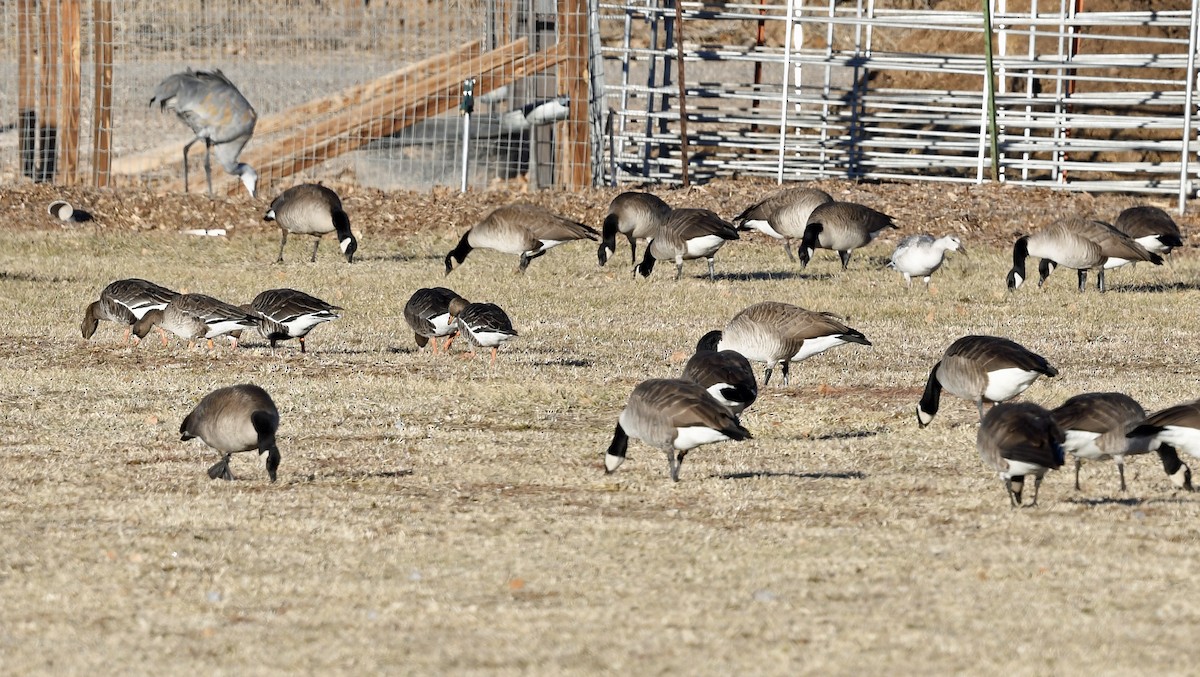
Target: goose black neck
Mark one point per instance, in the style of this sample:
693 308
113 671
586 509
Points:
620 443
647 265
931 399
459 253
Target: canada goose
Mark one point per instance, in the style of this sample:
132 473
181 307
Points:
1095 425
523 229
634 215
428 315
775 333
194 316
842 227
1078 243
1174 428
1151 227
126 302
981 369
783 215
290 314
920 255
312 209
1019 439
726 375
218 114
485 325
688 234
234 419
673 415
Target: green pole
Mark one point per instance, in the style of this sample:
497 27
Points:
990 83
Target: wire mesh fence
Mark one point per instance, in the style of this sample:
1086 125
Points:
371 91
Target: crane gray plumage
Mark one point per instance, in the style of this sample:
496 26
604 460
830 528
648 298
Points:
234 419
1017 440
1079 243
125 302
427 313
687 234
290 314
1173 429
981 369
1151 227
485 325
523 229
783 215
635 215
921 255
674 416
312 209
217 114
842 227
775 333
725 374
196 316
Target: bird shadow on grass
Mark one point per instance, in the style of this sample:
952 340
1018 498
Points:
31 277
564 362
819 475
847 434
762 275
354 477
1156 288
1127 502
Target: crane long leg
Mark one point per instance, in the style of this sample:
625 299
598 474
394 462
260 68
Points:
282 241
208 164
185 162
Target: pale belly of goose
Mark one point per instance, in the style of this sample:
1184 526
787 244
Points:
919 262
1079 258
302 324
763 227
702 247
690 437
1181 437
1021 468
546 246
1003 384
442 324
753 346
1082 444
222 327
813 346
487 338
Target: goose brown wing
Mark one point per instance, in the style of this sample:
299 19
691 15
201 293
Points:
994 352
1022 432
1099 413
1145 221
487 316
1115 244
546 225
684 404
693 223
285 305
1184 415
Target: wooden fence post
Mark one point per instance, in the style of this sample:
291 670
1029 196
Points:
71 70
102 117
576 161
48 105
27 85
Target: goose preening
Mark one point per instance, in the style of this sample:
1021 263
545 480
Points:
1096 425
920 255
125 302
290 314
485 325
842 227
776 333
428 315
675 416
1173 429
783 215
725 374
687 234
218 114
1151 227
523 229
981 369
1019 439
196 316
637 216
312 209
1078 243
235 419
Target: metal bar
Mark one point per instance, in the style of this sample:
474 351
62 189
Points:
783 100
1190 76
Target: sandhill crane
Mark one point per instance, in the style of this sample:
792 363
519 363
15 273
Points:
218 114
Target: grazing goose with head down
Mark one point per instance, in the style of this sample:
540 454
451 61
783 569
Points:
125 302
1151 227
1174 429
523 229
726 375
981 369
688 234
235 419
485 325
783 215
1017 440
428 315
290 314
920 255
1078 243
637 216
312 209
674 416
775 333
842 227
196 316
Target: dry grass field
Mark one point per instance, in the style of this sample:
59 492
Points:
437 516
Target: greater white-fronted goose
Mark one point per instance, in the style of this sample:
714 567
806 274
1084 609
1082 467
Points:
485 325
125 302
235 419
674 416
1151 227
196 316
312 209
688 234
635 215
428 315
725 374
1173 429
783 215
1019 439
776 333
1096 425
523 229
290 314
981 369
1079 243
842 227
920 255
